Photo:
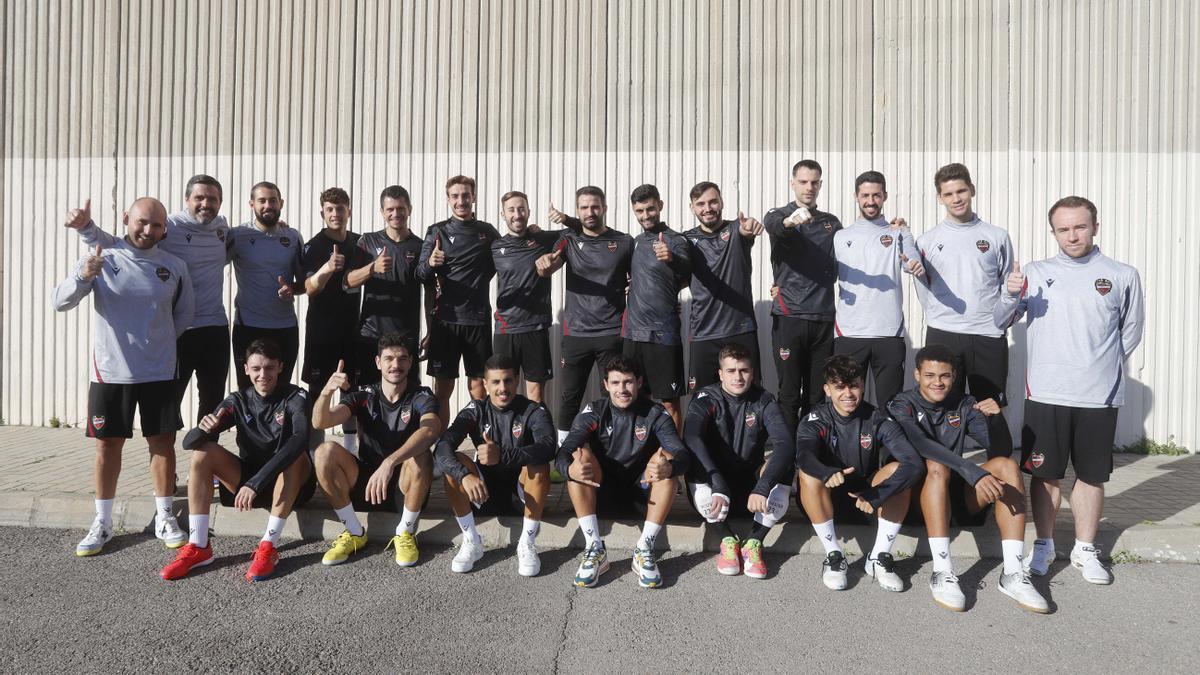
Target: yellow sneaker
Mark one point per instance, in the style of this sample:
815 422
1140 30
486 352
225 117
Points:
406 549
343 547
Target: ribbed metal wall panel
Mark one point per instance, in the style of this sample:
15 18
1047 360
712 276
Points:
117 99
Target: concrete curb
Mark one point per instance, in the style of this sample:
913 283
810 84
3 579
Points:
1159 543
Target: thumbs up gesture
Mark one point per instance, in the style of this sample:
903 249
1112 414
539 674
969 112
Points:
338 379
382 263
437 257
661 250
1015 283
77 219
285 289
488 452
659 467
336 261
557 217
913 266
899 224
749 227
93 265
548 263
839 478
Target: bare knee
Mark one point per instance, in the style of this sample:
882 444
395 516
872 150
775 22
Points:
810 483
326 453
203 455
936 472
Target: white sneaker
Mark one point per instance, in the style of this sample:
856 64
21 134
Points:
1087 560
1040 559
833 571
946 591
883 570
98 535
1018 587
528 562
469 553
167 529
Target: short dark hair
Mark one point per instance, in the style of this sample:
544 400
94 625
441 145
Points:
394 341
951 172
644 193
202 179
266 185
1073 202
622 364
500 362
734 351
870 177
460 180
334 195
810 164
266 347
591 191
512 194
702 187
842 369
936 352
394 192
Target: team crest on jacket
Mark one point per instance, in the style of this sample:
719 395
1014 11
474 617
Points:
953 419
1103 286
864 441
829 226
751 419
785 353
517 428
983 245
163 273
886 240
280 417
725 235
97 422
409 255
639 432
285 241
612 247
405 414
221 235
482 236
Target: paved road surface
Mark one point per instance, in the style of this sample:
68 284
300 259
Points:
112 613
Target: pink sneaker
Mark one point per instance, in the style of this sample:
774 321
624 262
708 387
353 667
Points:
752 560
729 562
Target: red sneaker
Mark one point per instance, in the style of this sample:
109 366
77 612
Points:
752 560
263 564
188 557
728 561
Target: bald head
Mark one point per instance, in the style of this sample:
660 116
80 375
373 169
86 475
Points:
145 222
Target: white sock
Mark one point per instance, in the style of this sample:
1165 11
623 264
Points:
562 436
350 442
408 522
104 509
828 536
590 527
940 548
274 529
1013 550
530 529
1079 545
162 507
198 530
467 525
885 536
649 534
349 518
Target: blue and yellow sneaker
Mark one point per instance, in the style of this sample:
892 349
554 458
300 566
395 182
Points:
592 565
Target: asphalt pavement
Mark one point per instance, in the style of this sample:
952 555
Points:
112 613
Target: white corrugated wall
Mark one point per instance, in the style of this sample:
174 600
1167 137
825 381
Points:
114 99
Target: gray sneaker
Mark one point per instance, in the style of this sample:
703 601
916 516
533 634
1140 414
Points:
946 591
1018 587
97 536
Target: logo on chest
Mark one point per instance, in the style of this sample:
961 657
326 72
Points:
280 417
163 274
751 419
285 241
517 428
828 227
640 431
864 441
409 256
405 414
953 419
612 247
886 240
785 353
983 245
725 235
1103 286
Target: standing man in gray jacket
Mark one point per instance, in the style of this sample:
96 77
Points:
1084 316
143 302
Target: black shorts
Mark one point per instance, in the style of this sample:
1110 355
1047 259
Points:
1054 434
961 494
506 497
394 499
702 358
288 340
622 493
662 367
365 370
264 499
321 360
448 342
741 485
982 363
531 351
111 406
